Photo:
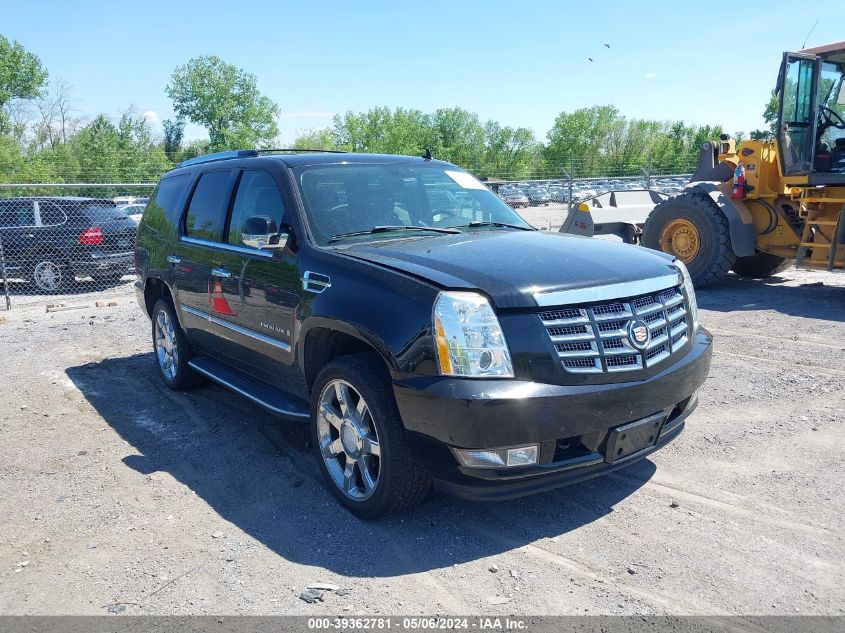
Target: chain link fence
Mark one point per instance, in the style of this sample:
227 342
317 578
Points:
65 244
546 203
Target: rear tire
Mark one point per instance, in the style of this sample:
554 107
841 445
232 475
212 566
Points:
395 480
760 265
171 349
706 249
50 275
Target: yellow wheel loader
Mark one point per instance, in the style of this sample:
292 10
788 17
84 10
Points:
756 207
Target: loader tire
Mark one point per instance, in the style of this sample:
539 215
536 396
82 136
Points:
760 265
694 230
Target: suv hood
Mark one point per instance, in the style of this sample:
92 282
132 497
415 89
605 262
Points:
511 266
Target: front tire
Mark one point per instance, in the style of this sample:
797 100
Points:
172 351
360 441
760 265
694 230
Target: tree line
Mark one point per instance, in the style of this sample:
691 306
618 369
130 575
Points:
44 139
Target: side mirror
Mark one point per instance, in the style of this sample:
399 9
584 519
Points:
259 231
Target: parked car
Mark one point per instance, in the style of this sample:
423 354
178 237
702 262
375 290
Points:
514 198
52 240
124 200
559 194
538 196
457 349
133 212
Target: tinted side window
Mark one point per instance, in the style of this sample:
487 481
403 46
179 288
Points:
257 195
51 214
207 211
161 212
15 213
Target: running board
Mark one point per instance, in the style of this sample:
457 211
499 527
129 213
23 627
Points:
261 394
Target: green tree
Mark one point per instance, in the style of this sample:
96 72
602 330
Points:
508 152
314 139
459 136
21 77
382 130
581 137
174 133
770 113
21 73
226 101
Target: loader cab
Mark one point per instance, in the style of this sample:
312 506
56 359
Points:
811 115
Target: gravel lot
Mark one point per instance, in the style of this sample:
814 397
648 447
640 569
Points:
120 496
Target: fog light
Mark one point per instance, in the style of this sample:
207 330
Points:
523 456
497 457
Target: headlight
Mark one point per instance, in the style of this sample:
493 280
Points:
693 304
469 339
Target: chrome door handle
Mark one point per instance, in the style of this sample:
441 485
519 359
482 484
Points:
220 272
174 259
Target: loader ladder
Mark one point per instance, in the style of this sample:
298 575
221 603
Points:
823 238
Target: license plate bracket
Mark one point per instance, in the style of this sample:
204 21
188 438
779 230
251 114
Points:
631 438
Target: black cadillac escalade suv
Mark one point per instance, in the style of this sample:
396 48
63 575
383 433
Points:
421 328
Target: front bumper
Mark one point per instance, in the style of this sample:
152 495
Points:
570 424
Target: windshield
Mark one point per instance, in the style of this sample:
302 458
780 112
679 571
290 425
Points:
344 199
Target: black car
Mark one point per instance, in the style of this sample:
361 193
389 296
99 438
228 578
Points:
538 196
421 341
559 194
52 240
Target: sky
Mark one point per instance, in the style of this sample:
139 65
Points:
520 63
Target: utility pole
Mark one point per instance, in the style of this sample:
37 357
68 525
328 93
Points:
647 173
569 177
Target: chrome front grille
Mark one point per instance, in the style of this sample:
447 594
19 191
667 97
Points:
596 339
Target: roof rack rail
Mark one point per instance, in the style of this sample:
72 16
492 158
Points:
210 158
297 150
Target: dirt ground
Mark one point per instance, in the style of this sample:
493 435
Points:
121 496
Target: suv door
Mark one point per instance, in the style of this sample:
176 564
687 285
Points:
256 291
797 116
200 232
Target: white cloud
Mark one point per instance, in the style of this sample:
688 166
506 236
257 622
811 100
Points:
151 116
650 75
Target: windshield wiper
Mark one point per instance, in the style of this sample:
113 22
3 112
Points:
386 229
505 224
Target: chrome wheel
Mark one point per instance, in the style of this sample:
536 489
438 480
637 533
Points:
348 440
166 348
47 276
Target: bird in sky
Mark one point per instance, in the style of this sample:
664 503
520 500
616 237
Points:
591 59
608 45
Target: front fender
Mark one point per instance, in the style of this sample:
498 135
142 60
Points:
387 309
355 330
740 220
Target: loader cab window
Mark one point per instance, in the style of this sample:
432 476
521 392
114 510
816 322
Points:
797 123
830 147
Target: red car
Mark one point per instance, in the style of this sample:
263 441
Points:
515 199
